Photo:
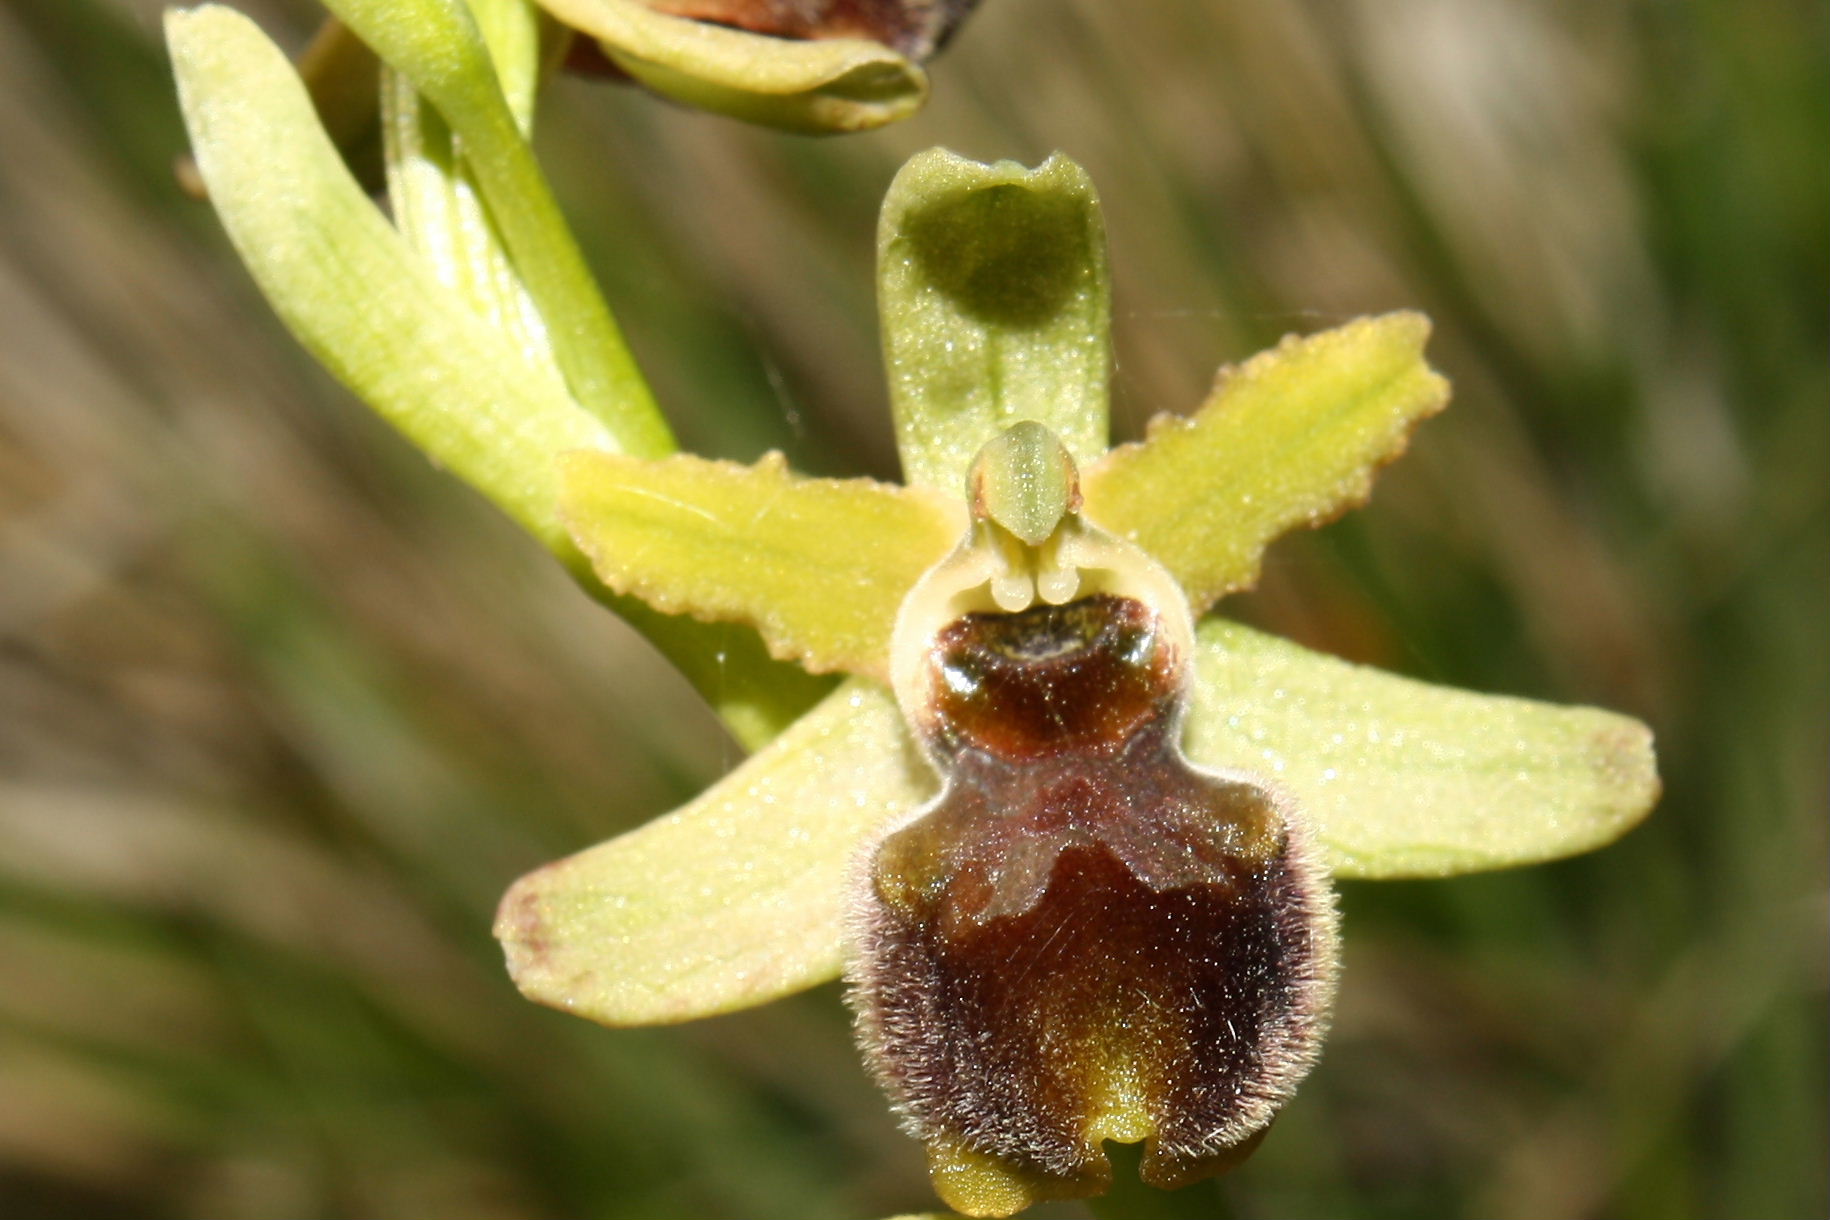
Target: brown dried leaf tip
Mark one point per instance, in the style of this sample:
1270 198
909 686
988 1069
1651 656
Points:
1084 937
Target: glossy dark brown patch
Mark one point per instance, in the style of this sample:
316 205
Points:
1085 937
1050 681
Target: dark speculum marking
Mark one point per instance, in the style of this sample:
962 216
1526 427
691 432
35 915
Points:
1085 937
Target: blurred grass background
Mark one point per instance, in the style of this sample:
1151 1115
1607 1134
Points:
282 709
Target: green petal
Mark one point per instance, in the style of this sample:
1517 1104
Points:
1400 778
352 291
818 86
1292 437
817 566
734 899
995 307
437 45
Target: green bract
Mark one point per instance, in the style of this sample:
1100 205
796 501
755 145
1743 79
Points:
453 330
736 897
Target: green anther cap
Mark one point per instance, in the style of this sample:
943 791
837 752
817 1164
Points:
1025 480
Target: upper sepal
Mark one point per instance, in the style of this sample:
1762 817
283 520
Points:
995 304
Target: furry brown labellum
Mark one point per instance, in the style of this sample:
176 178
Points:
1084 937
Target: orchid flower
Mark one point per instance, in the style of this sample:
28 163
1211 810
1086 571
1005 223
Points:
1069 834
1069 841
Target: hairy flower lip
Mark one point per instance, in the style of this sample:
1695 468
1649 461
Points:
1107 1011
1083 937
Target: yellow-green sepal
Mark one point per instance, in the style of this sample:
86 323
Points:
817 566
819 86
995 306
1400 778
735 898
1290 438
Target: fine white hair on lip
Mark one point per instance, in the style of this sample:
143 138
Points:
1165 827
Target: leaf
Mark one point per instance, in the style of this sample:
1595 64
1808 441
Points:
347 285
1291 437
1400 778
817 566
732 900
995 306
437 46
825 85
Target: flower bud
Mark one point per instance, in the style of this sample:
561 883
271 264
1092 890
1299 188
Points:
813 66
915 28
